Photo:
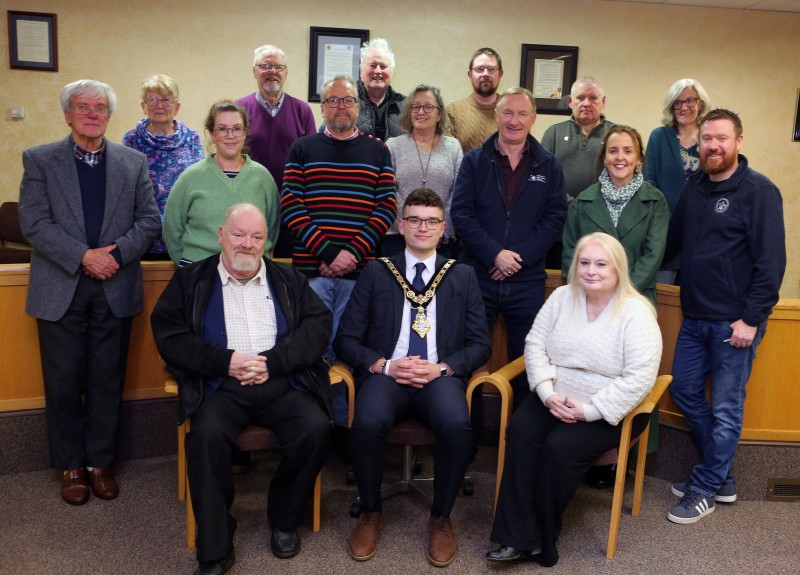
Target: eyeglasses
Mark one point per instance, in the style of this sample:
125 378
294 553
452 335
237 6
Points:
334 102
267 67
415 222
153 101
85 110
427 108
690 103
224 131
486 69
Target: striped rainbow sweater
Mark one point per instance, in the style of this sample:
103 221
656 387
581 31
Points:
337 194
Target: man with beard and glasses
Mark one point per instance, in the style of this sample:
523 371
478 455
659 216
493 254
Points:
276 121
244 338
728 229
338 200
472 118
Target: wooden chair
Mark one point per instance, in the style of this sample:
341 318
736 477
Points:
409 433
501 381
252 438
14 248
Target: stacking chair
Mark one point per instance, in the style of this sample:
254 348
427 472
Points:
501 379
252 438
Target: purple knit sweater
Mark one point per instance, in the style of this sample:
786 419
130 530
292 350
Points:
270 138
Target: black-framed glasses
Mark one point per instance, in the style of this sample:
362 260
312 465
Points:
427 108
430 223
486 69
690 103
153 101
334 102
267 67
237 131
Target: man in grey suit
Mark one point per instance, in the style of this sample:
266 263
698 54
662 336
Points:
87 208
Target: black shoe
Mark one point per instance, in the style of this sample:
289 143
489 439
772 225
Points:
506 554
339 442
284 544
217 567
601 476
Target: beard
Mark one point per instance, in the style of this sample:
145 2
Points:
485 89
717 165
342 124
272 86
245 263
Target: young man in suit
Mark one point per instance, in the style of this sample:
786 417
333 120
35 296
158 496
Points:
414 330
87 208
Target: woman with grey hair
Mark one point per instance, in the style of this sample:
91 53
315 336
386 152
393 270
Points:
424 157
170 145
672 151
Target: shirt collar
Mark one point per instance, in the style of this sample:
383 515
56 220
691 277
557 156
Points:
90 158
352 136
272 109
411 261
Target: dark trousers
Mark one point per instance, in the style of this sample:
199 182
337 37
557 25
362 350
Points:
441 405
545 461
84 355
300 430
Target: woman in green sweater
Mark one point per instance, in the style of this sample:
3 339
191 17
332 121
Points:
203 193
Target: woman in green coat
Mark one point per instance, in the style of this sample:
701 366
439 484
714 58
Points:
636 213
624 206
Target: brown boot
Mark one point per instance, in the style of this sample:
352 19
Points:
442 544
364 538
74 489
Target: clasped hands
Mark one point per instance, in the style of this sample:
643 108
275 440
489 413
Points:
98 263
344 263
248 369
565 409
412 370
506 264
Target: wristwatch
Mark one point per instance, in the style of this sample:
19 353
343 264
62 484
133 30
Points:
442 369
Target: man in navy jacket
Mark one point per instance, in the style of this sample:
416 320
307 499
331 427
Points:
728 228
509 207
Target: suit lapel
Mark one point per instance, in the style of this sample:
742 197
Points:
115 184
67 176
399 261
634 212
443 295
597 211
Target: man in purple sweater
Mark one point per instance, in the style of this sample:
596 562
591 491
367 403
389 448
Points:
276 121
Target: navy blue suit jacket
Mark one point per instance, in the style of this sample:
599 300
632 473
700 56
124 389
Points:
370 326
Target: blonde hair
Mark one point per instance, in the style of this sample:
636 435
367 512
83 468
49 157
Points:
619 261
161 84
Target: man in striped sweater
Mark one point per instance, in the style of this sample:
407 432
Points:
338 197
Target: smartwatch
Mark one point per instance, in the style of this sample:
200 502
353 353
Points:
442 370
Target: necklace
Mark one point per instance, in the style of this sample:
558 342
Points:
428 163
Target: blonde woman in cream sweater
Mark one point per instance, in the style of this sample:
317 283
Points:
591 356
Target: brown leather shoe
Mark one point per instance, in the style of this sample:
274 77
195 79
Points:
442 544
364 538
74 489
104 485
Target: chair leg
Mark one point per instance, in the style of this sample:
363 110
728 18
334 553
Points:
316 504
619 490
191 526
182 462
641 460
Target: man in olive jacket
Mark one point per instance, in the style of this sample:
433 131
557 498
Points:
244 338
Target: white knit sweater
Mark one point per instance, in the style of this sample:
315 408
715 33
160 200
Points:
609 364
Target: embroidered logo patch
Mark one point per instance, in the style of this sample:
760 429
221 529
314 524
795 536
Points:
721 206
538 178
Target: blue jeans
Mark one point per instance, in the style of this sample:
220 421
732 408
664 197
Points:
701 351
334 293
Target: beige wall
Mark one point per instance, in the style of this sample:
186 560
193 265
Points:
746 60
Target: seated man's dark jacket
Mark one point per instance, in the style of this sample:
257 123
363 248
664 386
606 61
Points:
370 326
177 322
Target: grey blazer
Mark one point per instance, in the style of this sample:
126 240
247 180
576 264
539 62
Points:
51 214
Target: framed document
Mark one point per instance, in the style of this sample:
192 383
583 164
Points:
333 51
549 72
32 41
